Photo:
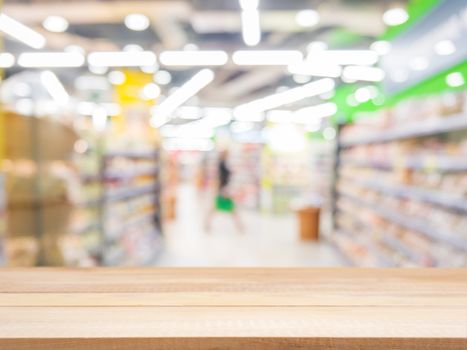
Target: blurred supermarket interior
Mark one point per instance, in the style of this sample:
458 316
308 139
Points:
233 133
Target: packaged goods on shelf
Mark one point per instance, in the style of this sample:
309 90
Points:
408 183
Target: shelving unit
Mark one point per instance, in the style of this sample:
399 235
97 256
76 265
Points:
401 194
131 186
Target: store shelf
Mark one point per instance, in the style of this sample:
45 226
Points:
454 202
415 224
432 163
140 219
129 174
412 130
132 154
126 193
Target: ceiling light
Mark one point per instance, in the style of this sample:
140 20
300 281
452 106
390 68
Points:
316 46
381 47
419 63
116 77
363 73
306 114
74 49
55 88
122 59
249 4
194 58
99 118
150 69
329 133
455 79
150 91
364 94
21 33
216 116
279 116
445 47
315 69
88 108
56 24
183 94
266 57
395 16
307 18
239 127
162 77
7 60
133 47
137 22
301 78
50 59
344 57
290 96
98 70
189 112
251 27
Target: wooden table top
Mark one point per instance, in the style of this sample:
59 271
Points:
175 309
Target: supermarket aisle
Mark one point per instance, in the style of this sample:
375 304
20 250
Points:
268 241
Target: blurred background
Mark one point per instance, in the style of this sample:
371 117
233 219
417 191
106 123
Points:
233 133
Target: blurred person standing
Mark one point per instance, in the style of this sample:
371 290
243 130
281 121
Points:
224 201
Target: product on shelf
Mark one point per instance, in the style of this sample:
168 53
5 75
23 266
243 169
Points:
402 190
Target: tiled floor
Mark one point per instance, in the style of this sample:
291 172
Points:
267 240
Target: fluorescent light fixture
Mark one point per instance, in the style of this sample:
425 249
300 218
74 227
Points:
137 22
315 46
301 78
56 24
55 88
183 94
445 47
290 96
217 116
21 33
266 57
329 133
150 91
381 47
189 112
307 18
7 60
194 58
247 115
162 77
344 57
249 4
251 27
395 16
315 69
50 59
150 69
364 73
122 59
455 79
305 115
116 77
279 116
98 70
99 118
366 93
133 47
419 63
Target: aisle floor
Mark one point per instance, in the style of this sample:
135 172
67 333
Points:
267 241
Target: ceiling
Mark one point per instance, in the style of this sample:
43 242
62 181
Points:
210 24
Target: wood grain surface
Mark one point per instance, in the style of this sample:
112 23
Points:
149 309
